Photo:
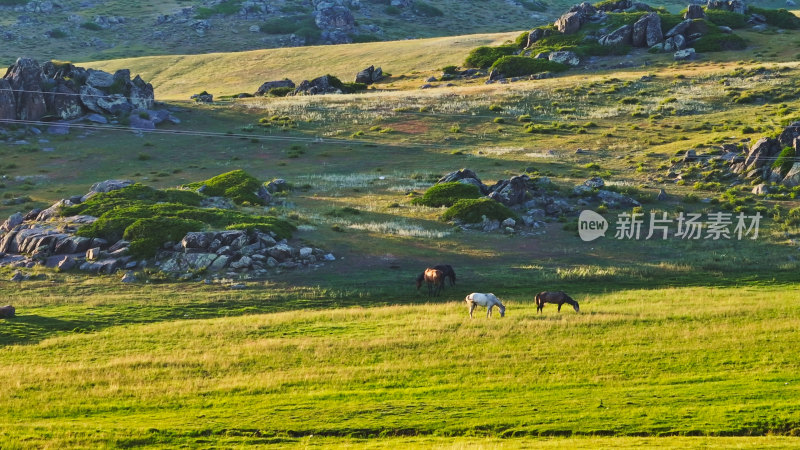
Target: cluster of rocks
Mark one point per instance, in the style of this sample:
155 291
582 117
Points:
757 162
536 200
369 75
43 237
334 19
236 251
30 92
325 84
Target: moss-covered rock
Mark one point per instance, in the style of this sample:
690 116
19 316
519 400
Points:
446 194
236 185
474 210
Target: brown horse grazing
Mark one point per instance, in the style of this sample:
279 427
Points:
435 280
559 297
448 272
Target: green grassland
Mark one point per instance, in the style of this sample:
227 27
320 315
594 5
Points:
678 343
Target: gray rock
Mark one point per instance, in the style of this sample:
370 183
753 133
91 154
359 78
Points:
370 75
662 195
508 223
684 55
569 23
12 222
647 31
594 183
565 57
318 86
792 178
694 12
93 253
99 79
305 252
7 312
329 257
621 36
106 186
761 189
129 277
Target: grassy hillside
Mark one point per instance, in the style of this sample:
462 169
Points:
668 362
180 76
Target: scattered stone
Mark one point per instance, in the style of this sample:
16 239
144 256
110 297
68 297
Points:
662 195
265 88
7 312
684 55
129 277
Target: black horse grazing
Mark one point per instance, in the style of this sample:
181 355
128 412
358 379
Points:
435 280
559 297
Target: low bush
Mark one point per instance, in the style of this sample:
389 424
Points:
149 234
516 66
717 42
446 194
236 185
726 18
226 8
91 26
474 210
484 57
280 91
427 10
780 18
783 163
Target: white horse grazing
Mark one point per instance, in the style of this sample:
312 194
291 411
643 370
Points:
487 300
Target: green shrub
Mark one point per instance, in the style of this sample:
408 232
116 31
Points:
717 42
91 26
236 185
446 194
522 40
669 20
515 66
57 33
280 91
147 235
351 88
484 57
780 18
393 10
726 18
533 5
473 211
427 10
226 8
783 163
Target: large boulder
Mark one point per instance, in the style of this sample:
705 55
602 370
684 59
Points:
621 36
570 22
564 57
792 178
12 222
465 176
7 312
99 79
141 94
684 55
265 88
319 86
675 43
25 78
680 28
511 192
789 135
105 186
761 153
336 23
647 31
369 75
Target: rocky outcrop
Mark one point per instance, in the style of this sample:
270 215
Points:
30 91
335 20
369 75
265 88
46 238
684 55
537 34
25 79
465 176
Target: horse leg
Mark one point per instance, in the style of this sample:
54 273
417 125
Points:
471 309
489 311
559 307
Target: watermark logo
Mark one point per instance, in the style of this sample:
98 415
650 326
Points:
591 225
689 226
